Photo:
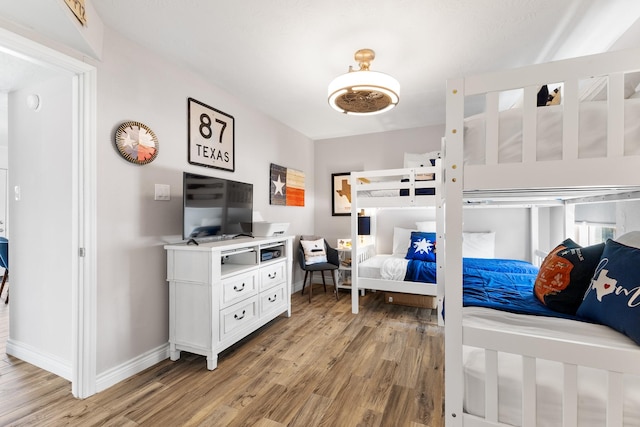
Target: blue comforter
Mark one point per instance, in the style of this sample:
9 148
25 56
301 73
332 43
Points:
501 284
423 271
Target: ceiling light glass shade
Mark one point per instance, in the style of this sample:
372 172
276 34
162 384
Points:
364 92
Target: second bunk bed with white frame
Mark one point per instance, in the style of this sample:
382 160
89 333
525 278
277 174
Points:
381 189
614 173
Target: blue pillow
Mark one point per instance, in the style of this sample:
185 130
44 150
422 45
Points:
422 247
613 297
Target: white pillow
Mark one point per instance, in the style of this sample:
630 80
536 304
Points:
314 252
478 245
597 89
631 83
594 89
401 240
631 238
428 226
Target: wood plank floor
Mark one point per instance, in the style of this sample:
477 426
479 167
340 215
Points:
323 366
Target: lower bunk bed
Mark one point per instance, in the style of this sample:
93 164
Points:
504 387
395 273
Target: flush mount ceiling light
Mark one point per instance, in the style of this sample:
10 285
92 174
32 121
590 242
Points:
364 92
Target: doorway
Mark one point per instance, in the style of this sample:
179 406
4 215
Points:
78 88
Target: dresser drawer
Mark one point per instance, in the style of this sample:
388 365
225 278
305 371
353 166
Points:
274 299
237 288
238 316
272 274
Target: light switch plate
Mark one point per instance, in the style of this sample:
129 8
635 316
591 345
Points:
163 192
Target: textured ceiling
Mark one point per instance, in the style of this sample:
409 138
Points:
280 55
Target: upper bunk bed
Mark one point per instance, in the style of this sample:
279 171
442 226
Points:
551 147
514 369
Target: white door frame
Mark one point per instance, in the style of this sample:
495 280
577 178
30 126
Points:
83 339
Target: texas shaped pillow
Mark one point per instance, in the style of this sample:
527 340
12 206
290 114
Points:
613 298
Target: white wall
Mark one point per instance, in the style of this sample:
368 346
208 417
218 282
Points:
135 84
602 213
41 227
511 225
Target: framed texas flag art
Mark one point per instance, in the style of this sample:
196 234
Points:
286 186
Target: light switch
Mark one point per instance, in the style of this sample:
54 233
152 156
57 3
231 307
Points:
163 192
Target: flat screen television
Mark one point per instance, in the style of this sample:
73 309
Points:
215 207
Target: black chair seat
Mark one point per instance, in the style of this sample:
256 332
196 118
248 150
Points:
321 266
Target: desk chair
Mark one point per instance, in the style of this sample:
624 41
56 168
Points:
321 257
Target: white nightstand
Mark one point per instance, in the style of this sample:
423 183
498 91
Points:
343 273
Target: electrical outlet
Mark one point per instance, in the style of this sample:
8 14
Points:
162 192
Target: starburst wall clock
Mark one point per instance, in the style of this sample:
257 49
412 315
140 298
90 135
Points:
136 142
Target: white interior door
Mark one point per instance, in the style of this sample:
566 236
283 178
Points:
82 292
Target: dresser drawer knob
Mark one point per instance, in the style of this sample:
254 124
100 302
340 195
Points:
274 299
235 316
273 275
238 289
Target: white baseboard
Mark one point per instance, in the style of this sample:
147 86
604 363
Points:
35 357
132 367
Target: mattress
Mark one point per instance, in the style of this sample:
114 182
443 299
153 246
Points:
592 133
378 193
396 193
591 382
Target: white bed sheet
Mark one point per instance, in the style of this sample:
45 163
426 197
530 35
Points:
381 266
591 383
592 133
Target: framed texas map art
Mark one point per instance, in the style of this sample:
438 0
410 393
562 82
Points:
211 139
340 194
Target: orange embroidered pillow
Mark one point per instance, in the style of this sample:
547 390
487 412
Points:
565 275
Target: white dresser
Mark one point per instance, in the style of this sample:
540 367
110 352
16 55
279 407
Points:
220 292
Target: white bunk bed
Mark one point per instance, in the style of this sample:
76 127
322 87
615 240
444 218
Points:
404 188
575 372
